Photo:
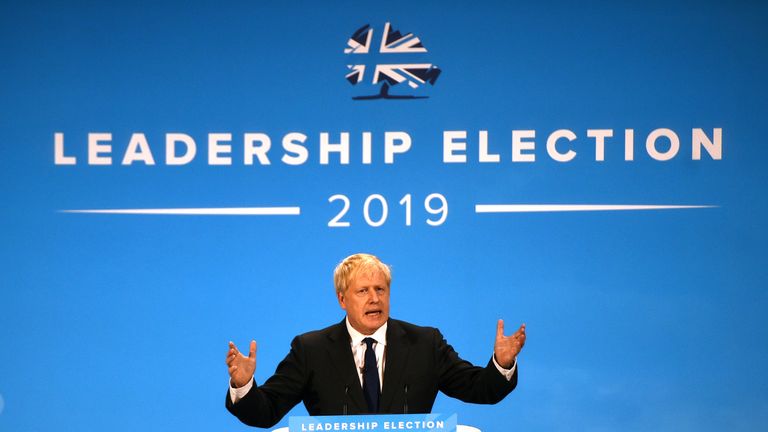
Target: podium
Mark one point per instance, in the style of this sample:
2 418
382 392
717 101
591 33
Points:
377 423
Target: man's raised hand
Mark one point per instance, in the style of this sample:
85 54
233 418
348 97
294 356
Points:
507 348
241 368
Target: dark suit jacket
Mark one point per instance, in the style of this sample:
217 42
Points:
320 371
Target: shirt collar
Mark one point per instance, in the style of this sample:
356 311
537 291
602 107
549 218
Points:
357 338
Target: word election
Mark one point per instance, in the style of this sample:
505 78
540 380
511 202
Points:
458 147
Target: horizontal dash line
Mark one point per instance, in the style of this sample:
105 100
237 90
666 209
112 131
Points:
539 208
223 211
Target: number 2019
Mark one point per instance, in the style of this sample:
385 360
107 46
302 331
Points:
435 204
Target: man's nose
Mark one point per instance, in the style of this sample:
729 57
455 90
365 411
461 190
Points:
374 297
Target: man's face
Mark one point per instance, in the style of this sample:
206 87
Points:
366 302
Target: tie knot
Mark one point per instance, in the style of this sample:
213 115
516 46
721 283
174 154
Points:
369 341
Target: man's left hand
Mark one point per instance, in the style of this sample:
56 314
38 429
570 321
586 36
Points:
507 348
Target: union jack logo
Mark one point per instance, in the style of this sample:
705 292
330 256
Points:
388 74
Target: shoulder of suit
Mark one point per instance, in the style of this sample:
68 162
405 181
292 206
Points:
413 330
322 335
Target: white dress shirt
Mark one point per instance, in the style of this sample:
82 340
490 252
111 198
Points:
359 347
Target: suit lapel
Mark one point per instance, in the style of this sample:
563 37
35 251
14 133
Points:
394 368
341 357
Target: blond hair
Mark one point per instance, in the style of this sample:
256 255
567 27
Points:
356 264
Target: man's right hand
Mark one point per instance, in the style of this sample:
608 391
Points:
241 368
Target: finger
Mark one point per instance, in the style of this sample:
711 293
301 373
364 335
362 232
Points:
500 329
232 346
231 353
252 353
232 370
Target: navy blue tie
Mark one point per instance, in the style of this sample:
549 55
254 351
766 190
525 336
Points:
371 376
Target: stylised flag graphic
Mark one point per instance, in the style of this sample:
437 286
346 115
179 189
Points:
387 74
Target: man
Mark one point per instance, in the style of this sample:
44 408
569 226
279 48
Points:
368 363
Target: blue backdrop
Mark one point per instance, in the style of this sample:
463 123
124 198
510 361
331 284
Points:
637 319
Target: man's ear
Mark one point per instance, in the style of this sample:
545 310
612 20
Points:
340 297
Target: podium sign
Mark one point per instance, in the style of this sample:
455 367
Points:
375 423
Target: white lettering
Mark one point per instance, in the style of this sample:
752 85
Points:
58 151
674 144
296 153
714 146
366 148
341 148
138 150
250 149
484 155
215 149
552 145
451 145
391 148
629 144
600 135
180 149
519 146
170 149
96 150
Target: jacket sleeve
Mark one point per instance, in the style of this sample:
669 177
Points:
265 405
460 379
